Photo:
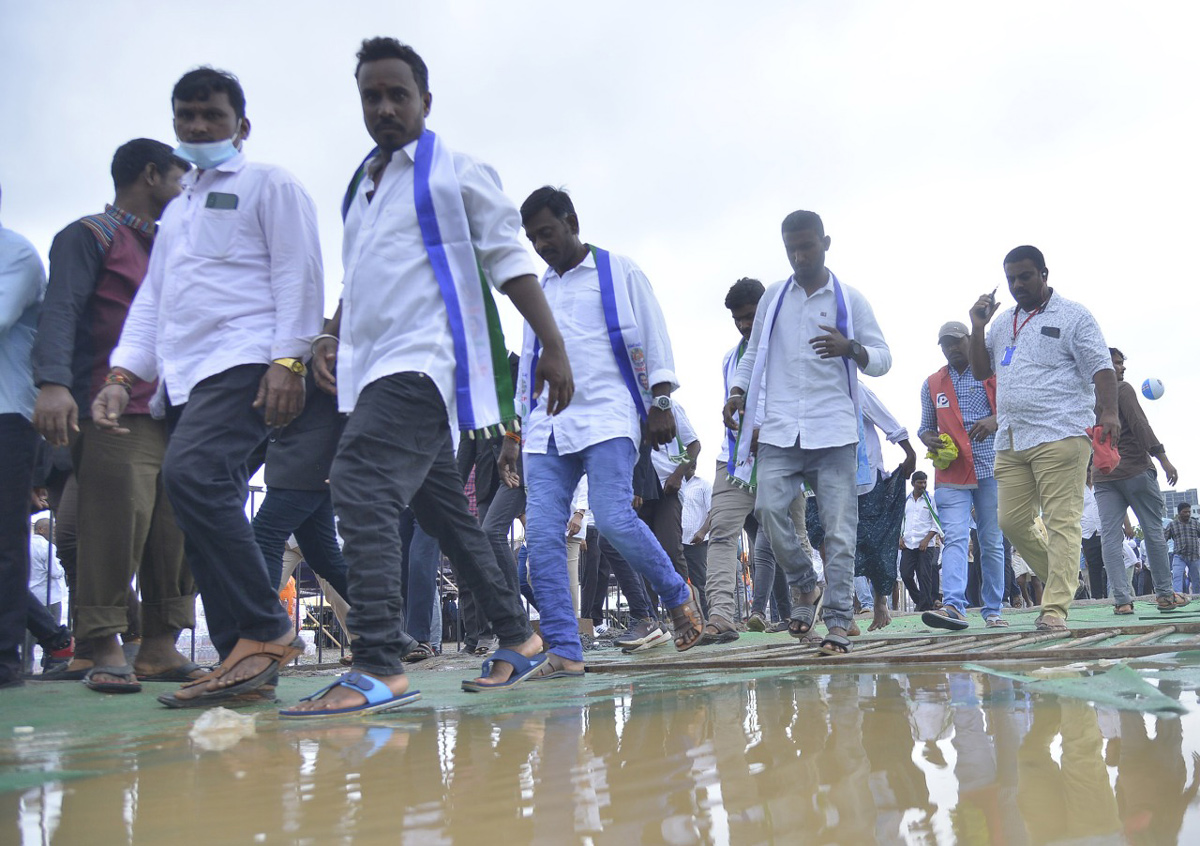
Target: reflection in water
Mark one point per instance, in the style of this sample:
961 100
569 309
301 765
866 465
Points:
842 758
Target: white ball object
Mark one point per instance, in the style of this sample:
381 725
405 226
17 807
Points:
1152 389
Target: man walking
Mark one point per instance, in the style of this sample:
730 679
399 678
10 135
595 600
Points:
1185 560
919 541
419 356
231 300
125 524
1134 484
808 344
955 404
1054 378
616 336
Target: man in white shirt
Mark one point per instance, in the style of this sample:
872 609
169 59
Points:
22 286
231 300
429 233
695 495
811 337
617 339
46 577
919 541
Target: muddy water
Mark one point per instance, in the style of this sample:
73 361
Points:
801 758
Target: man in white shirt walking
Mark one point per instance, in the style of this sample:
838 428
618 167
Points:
695 495
231 300
812 335
616 337
419 356
919 542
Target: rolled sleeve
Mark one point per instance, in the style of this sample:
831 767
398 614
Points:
495 226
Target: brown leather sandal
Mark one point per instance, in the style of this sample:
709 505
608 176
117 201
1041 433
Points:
206 691
1175 600
1124 609
687 622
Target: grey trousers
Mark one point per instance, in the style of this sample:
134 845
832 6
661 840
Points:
730 507
831 474
396 451
1140 493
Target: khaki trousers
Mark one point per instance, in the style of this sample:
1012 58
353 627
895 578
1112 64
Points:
1046 479
126 526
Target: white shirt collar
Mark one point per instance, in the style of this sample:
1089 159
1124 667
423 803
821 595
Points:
589 260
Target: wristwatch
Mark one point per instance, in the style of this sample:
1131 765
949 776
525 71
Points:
855 349
662 403
293 364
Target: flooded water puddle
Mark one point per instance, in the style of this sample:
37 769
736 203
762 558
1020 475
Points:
853 758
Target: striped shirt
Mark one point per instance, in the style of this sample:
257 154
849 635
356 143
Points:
1186 537
973 404
695 494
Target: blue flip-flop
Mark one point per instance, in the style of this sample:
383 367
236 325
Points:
379 698
523 668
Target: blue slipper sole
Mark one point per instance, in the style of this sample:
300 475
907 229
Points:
523 668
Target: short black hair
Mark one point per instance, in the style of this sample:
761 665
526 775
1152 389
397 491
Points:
131 159
798 221
1114 351
201 83
745 291
383 47
547 197
919 475
1026 252
1182 506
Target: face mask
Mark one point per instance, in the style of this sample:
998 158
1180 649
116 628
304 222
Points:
206 154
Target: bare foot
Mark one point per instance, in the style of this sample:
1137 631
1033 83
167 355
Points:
883 618
502 670
347 697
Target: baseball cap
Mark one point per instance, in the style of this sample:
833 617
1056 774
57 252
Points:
952 329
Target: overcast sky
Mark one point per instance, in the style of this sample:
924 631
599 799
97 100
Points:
931 137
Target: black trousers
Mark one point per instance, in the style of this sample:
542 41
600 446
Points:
396 451
206 476
593 578
1093 553
16 478
696 556
918 569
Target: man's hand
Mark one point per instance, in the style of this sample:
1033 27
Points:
575 524
55 415
107 409
907 466
696 538
554 368
924 544
660 426
1169 469
39 499
637 502
324 365
984 428
831 345
982 311
1110 426
733 407
280 396
674 482
510 451
931 439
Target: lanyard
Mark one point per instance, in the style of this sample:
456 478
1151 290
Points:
1033 314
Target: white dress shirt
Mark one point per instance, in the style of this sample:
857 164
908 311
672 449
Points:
660 456
876 416
394 319
918 522
43 568
808 398
695 494
1090 523
602 408
227 286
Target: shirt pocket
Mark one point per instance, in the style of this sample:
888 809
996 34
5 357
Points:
214 232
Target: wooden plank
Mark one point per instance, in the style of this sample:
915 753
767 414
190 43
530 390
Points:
1033 640
1076 642
1146 638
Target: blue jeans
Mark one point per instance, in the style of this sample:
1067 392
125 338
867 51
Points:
831 474
309 516
1179 564
954 509
420 562
551 479
864 592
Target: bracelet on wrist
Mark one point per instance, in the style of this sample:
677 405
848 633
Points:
513 436
117 378
312 348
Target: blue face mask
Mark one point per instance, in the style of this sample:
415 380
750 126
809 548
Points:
206 154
